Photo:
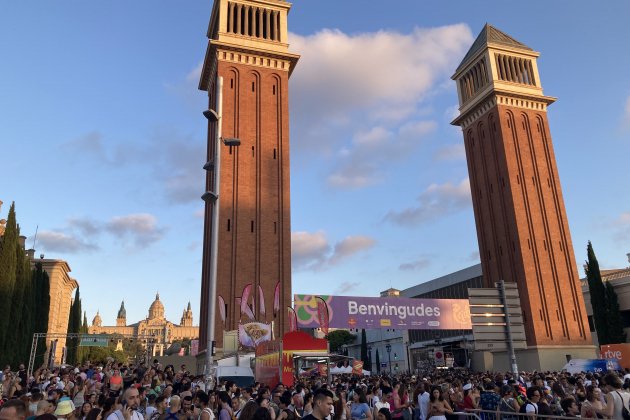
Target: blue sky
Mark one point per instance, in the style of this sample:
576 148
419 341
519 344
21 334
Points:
102 138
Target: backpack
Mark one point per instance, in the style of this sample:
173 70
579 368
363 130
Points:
624 410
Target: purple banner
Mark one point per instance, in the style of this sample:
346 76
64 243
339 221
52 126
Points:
385 312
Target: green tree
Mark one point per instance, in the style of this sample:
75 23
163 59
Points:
41 284
598 296
21 307
378 362
615 323
82 351
338 338
74 327
364 351
8 272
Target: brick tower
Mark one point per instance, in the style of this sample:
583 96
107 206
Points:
248 48
520 216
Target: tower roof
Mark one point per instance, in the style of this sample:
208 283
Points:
156 310
491 35
122 312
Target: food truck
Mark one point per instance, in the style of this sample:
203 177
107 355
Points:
281 360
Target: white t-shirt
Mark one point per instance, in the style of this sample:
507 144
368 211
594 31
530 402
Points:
531 407
118 415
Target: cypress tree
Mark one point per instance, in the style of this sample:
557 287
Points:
8 271
82 351
615 323
598 296
21 305
74 326
364 352
41 284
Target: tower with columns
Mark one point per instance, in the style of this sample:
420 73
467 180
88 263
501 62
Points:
248 48
520 216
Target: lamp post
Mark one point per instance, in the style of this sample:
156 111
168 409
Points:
369 349
213 197
388 347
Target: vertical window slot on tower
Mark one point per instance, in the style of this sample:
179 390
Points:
275 228
253 152
231 83
228 225
541 314
273 89
274 153
230 149
252 225
253 86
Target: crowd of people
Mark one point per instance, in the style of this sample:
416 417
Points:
115 391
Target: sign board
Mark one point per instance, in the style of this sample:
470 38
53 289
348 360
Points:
618 352
95 341
384 312
438 356
488 318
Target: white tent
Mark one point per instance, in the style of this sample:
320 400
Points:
348 369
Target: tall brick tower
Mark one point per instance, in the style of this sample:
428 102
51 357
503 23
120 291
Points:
519 211
248 48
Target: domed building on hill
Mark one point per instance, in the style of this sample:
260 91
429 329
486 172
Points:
156 326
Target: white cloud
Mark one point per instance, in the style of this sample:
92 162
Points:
358 99
56 241
141 229
350 246
308 249
313 251
451 152
382 71
436 201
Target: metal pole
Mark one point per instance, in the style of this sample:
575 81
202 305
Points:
212 286
508 331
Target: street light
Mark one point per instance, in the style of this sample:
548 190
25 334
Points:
212 197
388 347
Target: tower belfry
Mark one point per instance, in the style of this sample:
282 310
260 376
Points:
248 48
521 220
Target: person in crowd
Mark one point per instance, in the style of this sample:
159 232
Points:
384 414
85 409
225 412
248 412
508 403
570 407
489 400
438 406
13 409
205 411
593 403
530 406
616 397
322 405
359 408
129 406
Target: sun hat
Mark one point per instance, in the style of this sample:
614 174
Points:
467 387
64 407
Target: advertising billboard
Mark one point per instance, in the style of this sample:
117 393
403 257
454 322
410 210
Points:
618 352
384 312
